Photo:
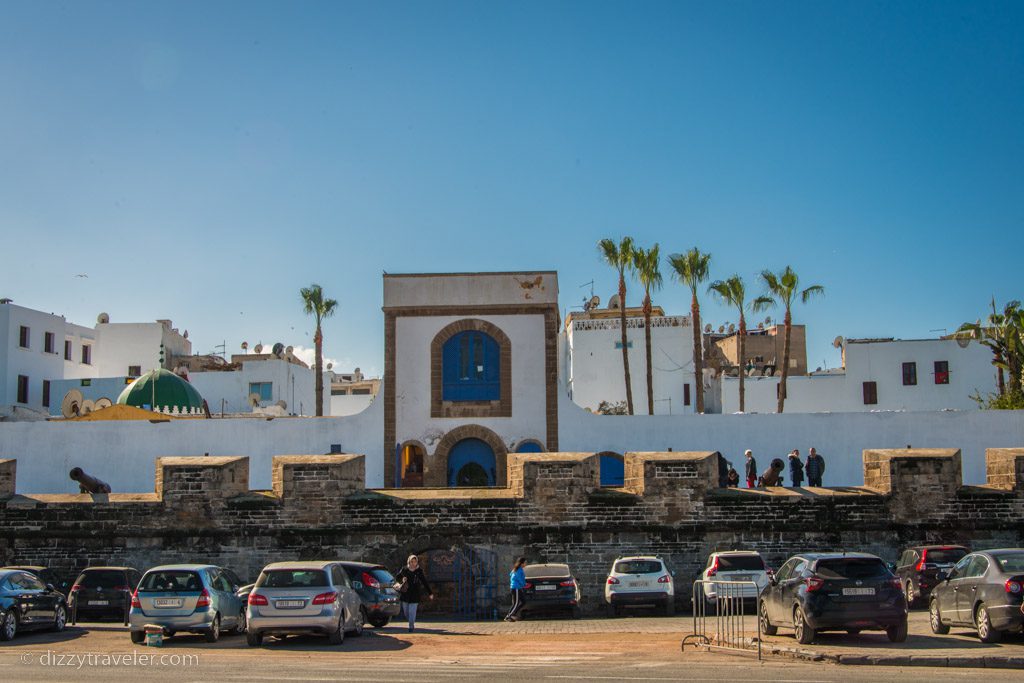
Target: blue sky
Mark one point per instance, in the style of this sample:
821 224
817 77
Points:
202 161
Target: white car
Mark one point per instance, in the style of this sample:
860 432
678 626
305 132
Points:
734 565
640 581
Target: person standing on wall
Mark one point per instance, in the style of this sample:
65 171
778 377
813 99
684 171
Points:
796 468
517 585
410 581
751 470
815 467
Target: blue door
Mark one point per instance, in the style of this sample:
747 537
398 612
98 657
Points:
471 462
612 470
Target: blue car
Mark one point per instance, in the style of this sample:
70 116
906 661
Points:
27 604
190 598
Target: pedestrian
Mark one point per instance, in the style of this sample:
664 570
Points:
815 467
796 468
751 468
517 585
733 477
410 581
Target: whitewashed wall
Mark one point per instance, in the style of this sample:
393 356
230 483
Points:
346 404
293 384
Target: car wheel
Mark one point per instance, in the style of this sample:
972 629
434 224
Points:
8 625
803 632
253 638
767 627
908 591
240 627
337 636
60 618
935 619
378 621
897 633
137 636
986 633
213 633
357 630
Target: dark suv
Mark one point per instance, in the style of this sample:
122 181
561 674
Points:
103 592
848 592
372 582
918 568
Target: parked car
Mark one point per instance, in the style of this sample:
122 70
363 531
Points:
292 598
850 592
983 591
551 588
918 568
639 581
191 598
103 592
373 584
44 574
734 565
26 604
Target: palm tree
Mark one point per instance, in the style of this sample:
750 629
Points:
783 288
1002 334
647 264
316 305
692 269
733 292
620 257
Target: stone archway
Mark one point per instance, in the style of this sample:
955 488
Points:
437 469
530 446
412 459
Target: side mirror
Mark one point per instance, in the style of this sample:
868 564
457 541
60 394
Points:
673 573
891 566
50 588
357 584
234 589
772 580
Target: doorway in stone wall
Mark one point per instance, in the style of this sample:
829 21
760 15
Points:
471 462
465 582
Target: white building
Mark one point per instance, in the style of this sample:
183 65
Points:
351 392
879 374
130 349
259 382
592 360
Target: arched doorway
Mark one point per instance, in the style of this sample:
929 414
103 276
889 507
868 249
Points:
530 446
471 462
411 464
613 470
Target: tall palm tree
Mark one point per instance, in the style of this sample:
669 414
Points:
783 288
693 269
647 264
316 305
733 292
1003 334
620 257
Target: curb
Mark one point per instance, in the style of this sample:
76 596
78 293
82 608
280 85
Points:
973 662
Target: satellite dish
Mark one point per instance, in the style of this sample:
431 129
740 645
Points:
185 334
254 400
245 345
330 366
732 328
87 407
595 301
613 302
289 350
258 348
963 342
103 318
751 372
707 328
278 349
768 320
760 326
102 403
282 404
71 406
837 342
721 329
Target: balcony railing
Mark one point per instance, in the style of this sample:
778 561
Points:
631 323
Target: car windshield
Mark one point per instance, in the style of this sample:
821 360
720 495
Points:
102 579
1011 563
852 568
171 581
292 578
637 567
733 563
553 571
944 555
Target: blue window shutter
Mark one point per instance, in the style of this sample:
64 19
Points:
470 368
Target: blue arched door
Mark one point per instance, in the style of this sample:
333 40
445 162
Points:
612 469
471 462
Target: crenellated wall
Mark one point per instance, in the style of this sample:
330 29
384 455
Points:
553 510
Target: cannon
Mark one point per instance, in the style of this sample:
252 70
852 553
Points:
88 483
773 474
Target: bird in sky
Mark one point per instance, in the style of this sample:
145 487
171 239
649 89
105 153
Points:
82 275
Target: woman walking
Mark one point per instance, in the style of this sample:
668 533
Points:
410 581
517 584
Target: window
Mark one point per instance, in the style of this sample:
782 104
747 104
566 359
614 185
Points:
49 341
86 354
942 372
909 374
978 567
686 394
134 370
870 393
46 393
67 349
470 362
23 337
360 392
22 389
264 389
629 344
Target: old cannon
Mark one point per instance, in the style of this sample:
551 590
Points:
773 474
88 483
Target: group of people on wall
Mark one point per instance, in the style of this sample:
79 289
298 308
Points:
813 469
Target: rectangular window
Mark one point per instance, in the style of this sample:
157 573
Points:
264 389
134 370
22 389
909 374
629 344
86 354
49 341
942 372
46 393
23 337
686 394
870 393
67 349
85 382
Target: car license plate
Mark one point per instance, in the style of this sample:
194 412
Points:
99 602
741 577
286 604
858 591
637 584
546 588
167 602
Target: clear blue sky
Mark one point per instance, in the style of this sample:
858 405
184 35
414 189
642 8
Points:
202 161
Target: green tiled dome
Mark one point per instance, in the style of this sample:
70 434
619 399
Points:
161 390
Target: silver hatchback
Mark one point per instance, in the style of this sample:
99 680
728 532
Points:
293 598
193 598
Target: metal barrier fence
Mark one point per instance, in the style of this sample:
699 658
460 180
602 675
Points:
721 620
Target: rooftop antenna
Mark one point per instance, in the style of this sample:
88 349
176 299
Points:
591 285
223 348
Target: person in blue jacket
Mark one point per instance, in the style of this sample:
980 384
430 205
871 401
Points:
517 584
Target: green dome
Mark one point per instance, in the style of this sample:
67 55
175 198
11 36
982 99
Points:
161 390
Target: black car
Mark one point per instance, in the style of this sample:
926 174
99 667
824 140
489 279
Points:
983 591
550 588
372 582
26 603
103 593
45 574
918 568
849 592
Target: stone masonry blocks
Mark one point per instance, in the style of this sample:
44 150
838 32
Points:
1004 468
297 479
8 472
